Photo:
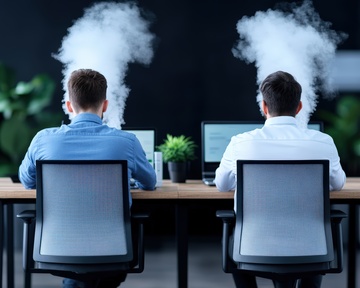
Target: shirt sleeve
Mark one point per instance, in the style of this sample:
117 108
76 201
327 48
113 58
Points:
27 169
225 174
337 174
144 172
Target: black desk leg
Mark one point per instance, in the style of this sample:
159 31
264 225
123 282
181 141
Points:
182 244
27 280
10 245
353 235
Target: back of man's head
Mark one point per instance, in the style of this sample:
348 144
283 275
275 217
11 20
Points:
87 89
281 94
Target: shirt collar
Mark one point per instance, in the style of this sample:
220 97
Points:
281 120
86 117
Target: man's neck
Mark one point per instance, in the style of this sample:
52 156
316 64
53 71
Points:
98 113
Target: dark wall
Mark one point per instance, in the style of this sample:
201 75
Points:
193 75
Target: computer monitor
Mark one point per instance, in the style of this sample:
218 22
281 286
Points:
316 125
147 138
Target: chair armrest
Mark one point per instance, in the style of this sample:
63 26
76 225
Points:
228 217
138 261
140 217
27 216
336 217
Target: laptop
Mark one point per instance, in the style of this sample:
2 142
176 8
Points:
147 138
215 137
316 125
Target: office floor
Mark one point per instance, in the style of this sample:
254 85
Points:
160 268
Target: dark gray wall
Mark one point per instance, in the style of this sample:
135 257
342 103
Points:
193 75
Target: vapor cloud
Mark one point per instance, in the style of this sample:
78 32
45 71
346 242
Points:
294 39
107 38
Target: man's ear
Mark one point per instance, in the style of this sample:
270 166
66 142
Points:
105 105
299 107
69 107
264 108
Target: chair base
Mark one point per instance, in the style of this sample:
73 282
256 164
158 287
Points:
81 272
285 271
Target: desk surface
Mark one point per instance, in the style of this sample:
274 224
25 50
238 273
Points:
192 189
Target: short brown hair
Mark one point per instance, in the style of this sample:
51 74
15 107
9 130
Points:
87 89
281 93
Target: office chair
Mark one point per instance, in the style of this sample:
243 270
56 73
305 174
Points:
83 227
282 229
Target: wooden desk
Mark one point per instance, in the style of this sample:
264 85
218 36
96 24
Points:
192 189
181 193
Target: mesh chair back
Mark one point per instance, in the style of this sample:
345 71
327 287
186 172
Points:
82 212
283 212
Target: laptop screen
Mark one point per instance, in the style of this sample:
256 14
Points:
316 125
147 138
216 135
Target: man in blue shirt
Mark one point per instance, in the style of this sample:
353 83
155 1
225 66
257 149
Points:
87 138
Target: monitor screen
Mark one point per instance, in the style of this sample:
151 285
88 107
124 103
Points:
147 140
216 137
316 125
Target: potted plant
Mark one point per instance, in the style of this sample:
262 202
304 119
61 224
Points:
177 151
22 114
343 126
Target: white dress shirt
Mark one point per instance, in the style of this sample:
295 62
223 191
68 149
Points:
279 139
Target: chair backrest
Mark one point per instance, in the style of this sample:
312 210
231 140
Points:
82 212
283 212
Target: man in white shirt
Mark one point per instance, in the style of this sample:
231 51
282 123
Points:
280 138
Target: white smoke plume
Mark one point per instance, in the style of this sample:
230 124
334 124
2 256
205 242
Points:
107 38
293 39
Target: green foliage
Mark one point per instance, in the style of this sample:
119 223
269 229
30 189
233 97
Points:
177 149
22 106
24 98
344 127
13 132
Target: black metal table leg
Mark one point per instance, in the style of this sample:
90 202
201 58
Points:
182 244
10 245
351 269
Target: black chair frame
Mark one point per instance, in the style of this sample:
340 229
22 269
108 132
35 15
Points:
279 270
84 269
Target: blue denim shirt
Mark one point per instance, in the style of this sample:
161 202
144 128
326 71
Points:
87 138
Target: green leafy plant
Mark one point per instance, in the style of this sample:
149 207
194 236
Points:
23 110
344 127
177 149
